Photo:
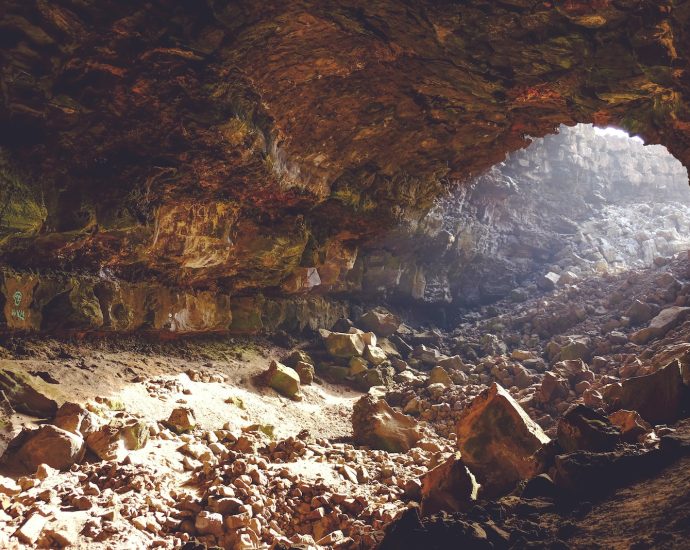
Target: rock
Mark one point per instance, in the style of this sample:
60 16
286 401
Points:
587 475
209 523
498 441
9 486
32 528
379 376
49 445
640 312
568 278
427 355
296 357
305 371
24 397
521 355
438 375
374 355
181 420
660 397
552 387
661 324
378 426
449 487
582 428
380 321
631 425
284 380
454 362
76 419
358 365
344 345
541 486
548 282
122 434
575 349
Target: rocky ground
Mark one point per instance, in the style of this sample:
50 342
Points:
364 429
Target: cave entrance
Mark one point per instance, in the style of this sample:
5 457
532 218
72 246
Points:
584 202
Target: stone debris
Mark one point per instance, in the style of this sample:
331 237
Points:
49 445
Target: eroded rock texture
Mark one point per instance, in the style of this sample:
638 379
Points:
245 146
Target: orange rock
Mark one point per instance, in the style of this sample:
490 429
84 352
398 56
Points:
498 441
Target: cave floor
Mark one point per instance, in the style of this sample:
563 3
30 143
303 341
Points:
290 468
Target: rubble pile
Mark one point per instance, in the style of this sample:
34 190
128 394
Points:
527 407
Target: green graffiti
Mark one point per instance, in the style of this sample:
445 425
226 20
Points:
17 297
18 314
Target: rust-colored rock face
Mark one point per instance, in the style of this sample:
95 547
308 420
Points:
254 145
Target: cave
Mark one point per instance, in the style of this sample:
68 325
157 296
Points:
309 274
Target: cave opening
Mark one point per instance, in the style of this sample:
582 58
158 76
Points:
584 202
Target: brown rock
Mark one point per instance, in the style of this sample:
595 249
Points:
378 426
49 445
181 420
660 398
76 419
24 397
552 387
32 528
449 487
380 321
340 344
582 428
305 371
498 441
631 424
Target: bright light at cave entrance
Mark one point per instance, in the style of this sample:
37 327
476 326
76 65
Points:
617 132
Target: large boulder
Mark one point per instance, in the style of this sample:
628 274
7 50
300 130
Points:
582 428
380 321
661 324
499 441
24 397
449 487
660 397
378 426
344 345
49 445
284 380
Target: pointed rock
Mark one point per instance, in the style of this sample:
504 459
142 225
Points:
499 441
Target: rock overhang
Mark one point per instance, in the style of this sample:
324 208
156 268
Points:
235 145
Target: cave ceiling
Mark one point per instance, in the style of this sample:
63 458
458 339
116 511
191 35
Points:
232 143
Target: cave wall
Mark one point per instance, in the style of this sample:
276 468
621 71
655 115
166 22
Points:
245 148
